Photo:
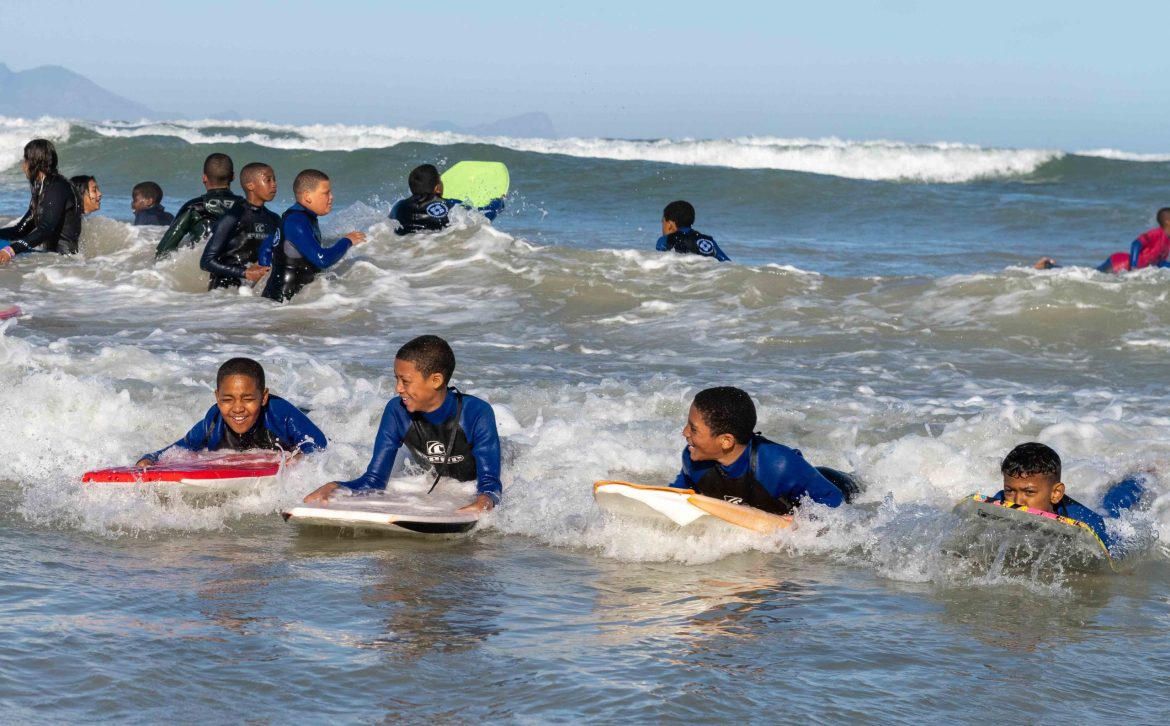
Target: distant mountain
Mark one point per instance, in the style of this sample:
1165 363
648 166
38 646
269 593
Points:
57 91
534 125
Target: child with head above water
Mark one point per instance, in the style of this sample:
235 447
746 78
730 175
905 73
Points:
678 236
724 459
443 428
245 416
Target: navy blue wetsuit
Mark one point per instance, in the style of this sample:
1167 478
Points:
154 216
243 235
428 212
300 254
462 431
196 220
1071 508
690 241
281 425
767 476
52 222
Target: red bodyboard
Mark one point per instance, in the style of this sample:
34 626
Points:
11 312
229 466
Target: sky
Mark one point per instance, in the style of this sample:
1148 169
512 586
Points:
1070 75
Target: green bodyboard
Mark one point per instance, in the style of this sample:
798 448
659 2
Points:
476 182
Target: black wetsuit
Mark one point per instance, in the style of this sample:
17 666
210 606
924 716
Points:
52 223
196 220
693 242
154 216
238 239
421 213
300 254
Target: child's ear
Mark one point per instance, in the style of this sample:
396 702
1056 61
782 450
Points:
437 381
726 442
1057 492
264 398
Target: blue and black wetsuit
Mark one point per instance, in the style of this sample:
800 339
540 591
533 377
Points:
428 212
767 476
300 255
244 235
458 439
1125 494
154 216
689 241
196 220
52 222
281 425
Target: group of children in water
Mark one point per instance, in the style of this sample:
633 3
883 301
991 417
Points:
444 429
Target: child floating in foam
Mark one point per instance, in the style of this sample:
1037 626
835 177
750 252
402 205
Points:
300 254
426 210
678 236
1151 249
725 460
1031 478
453 432
246 417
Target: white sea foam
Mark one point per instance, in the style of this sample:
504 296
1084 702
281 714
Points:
872 160
16 132
1119 155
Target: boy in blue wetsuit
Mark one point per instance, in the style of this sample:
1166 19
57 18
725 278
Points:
300 255
725 460
678 236
146 203
246 417
426 210
1031 477
453 432
240 248
197 217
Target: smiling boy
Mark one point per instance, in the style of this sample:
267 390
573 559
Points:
246 417
453 432
240 248
726 460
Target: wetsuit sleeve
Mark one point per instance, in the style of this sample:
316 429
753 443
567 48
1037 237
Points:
268 248
485 446
20 229
1073 509
1135 253
719 254
174 235
54 202
225 230
663 244
386 444
785 473
300 234
493 209
294 428
196 439
685 478
396 213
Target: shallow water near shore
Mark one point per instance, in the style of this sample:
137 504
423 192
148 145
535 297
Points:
914 349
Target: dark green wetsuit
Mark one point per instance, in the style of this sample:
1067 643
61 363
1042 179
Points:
196 220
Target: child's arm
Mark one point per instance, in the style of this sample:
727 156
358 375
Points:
53 206
178 230
719 254
386 444
225 229
196 439
20 229
296 429
268 249
785 473
663 244
684 480
300 234
1135 253
480 424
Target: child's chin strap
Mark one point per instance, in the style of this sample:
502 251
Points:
446 470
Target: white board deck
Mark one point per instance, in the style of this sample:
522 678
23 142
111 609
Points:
388 513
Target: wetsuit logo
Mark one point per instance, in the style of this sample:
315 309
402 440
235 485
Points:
436 453
437 209
732 500
706 247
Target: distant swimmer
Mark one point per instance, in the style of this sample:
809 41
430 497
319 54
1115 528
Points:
53 220
444 429
726 460
678 236
240 248
246 417
87 190
146 203
426 210
196 219
1151 249
300 255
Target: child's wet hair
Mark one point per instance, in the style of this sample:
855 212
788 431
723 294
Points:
241 367
251 171
423 179
727 410
219 169
430 354
680 212
1163 216
308 181
1031 459
147 190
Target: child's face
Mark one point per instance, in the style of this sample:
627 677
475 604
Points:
1038 491
320 200
139 203
701 443
240 401
419 392
263 186
91 201
669 227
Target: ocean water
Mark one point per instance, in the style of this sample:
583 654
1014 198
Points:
880 309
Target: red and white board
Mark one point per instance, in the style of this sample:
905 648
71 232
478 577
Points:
208 472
